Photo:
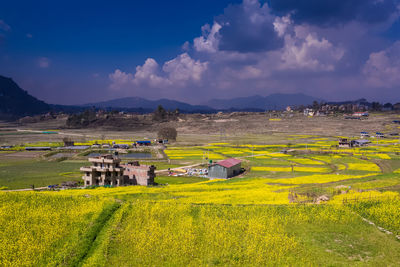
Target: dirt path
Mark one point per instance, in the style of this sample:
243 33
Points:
181 167
198 164
25 189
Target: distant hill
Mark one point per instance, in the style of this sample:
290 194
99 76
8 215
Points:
145 104
252 103
15 102
271 102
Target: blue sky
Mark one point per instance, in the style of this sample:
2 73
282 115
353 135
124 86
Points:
73 52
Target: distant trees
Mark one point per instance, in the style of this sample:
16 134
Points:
68 141
160 114
169 133
82 119
315 105
388 106
376 106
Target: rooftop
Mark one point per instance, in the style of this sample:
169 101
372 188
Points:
227 163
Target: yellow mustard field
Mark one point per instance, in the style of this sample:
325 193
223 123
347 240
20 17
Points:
306 203
39 229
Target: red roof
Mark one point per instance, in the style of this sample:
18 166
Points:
227 163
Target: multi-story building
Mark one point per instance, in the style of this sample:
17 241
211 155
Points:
105 170
135 174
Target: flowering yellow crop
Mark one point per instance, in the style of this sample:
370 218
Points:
371 167
354 196
191 153
316 179
383 156
289 169
306 161
262 157
271 169
39 229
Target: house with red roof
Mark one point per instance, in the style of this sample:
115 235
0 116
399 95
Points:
225 169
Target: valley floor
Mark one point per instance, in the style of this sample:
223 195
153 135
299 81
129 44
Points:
302 201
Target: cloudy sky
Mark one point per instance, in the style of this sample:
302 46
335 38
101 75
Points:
74 52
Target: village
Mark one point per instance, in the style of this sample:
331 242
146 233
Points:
120 162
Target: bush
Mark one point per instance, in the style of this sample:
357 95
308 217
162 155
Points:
169 133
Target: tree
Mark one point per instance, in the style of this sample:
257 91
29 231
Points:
388 106
160 114
169 133
376 106
315 105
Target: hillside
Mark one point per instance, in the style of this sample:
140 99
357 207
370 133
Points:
16 102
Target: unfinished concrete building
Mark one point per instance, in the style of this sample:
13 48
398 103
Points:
135 174
105 170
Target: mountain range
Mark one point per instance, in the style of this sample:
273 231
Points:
16 102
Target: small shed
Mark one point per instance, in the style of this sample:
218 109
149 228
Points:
364 134
69 143
344 142
225 169
361 142
121 146
143 143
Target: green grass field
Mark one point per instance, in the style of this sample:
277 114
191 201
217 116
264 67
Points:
16 173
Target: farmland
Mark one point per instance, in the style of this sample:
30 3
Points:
301 201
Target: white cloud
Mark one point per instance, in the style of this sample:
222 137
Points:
383 68
186 46
148 74
4 26
209 40
305 50
250 49
120 79
281 24
175 73
183 68
44 62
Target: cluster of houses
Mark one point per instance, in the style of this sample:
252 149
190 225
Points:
107 170
360 107
347 143
70 145
309 112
